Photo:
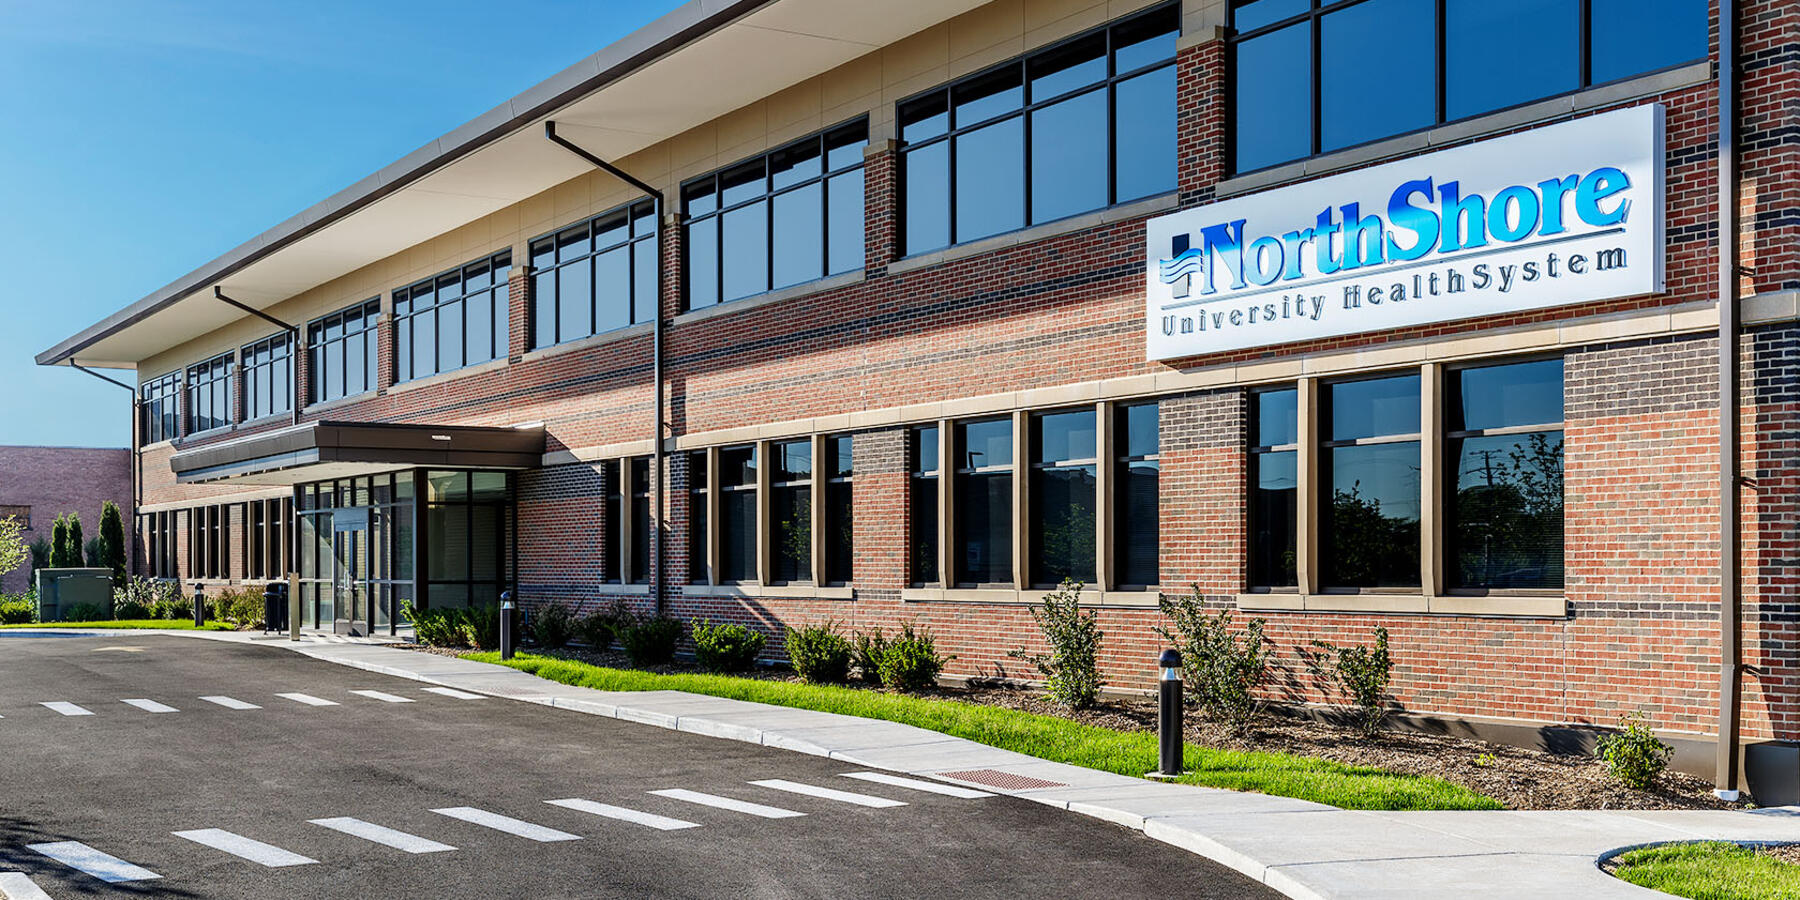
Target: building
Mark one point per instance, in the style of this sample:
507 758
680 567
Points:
37 484
1390 313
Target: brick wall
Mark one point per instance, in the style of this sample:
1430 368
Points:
57 480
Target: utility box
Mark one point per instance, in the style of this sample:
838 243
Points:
60 591
1772 772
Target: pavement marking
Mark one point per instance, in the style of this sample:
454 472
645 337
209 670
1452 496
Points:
230 702
19 886
453 692
382 696
743 806
795 787
151 706
507 824
237 845
67 709
381 834
79 856
930 787
652 820
308 699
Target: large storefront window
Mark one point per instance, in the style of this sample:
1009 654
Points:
1504 450
1313 76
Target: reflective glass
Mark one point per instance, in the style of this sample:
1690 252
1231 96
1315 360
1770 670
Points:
543 308
793 461
840 533
1257 13
924 527
927 186
644 287
1073 65
1063 535
746 182
990 180
1273 94
982 98
737 466
1138 434
985 444
1274 517
1145 40
1361 39
1137 533
612 289
1635 36
791 532
1543 41
700 198
450 337
478 312
1064 436
925 449
745 255
575 289
703 263
737 535
925 117
792 165
1370 524
984 528
1505 522
1068 157
1275 417
1144 135
799 235
845 222
1373 407
1506 396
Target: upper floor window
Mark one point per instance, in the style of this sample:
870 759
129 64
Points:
594 276
787 217
209 394
452 319
1075 127
268 377
342 350
161 398
1313 76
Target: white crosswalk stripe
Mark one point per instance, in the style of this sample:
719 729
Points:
230 702
246 848
507 824
80 857
307 699
930 787
453 692
67 709
743 806
381 834
151 706
383 696
651 820
19 886
823 793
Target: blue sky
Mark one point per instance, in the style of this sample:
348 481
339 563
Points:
142 138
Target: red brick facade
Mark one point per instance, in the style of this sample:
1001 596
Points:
51 481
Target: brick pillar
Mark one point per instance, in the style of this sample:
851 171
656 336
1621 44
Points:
239 403
302 361
881 205
1200 112
675 524
385 372
881 505
518 310
1203 510
237 562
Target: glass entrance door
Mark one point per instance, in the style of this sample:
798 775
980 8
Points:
350 582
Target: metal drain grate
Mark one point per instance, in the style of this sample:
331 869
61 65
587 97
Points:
1005 781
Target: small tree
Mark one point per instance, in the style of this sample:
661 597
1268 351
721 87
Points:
77 543
1222 668
12 544
1071 669
40 554
112 542
59 543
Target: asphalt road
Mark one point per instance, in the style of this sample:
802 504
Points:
124 779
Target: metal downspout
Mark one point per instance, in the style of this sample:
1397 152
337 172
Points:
293 342
656 356
1730 587
137 459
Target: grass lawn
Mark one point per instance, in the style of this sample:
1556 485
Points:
1045 737
124 624
1710 871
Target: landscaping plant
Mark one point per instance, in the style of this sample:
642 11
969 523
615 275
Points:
651 641
726 647
1071 669
84 612
820 655
1635 755
13 549
552 626
1221 667
870 648
239 607
596 629
912 662
18 609
1360 673
112 542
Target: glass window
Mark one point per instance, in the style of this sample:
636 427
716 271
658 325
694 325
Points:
268 377
1064 480
209 395
342 350
637 556
924 505
983 526
1369 520
612 526
1137 530
737 514
1504 445
698 571
840 520
789 217
161 402
451 320
1047 136
1286 109
1274 488
790 511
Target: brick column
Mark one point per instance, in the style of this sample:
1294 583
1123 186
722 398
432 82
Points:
301 359
518 310
385 372
881 204
881 506
1201 147
1203 511
675 528
239 404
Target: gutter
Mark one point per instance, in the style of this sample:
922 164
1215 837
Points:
1730 477
295 348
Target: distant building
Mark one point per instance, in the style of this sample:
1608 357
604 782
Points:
37 484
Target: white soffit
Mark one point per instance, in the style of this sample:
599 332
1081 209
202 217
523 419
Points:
774 47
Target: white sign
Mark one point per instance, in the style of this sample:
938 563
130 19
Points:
1564 214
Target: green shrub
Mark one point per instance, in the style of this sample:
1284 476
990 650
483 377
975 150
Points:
552 626
870 648
130 609
1071 669
912 662
819 654
1634 755
173 605
651 641
18 609
726 647
1221 669
433 627
112 543
84 612
596 629
146 596
480 625
1361 674
242 607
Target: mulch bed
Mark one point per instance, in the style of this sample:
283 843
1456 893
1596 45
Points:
1517 777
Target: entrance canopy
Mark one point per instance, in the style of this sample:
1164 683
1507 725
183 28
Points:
320 450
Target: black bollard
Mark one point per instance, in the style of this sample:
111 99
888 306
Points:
199 605
1169 714
507 638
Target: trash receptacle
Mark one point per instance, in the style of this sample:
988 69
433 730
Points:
275 606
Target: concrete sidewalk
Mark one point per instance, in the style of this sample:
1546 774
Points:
1303 849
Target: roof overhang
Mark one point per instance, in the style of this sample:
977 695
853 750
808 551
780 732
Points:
319 450
699 62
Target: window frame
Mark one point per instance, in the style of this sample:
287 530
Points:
1034 472
633 243
212 378
497 293
319 340
279 346
1024 112
152 395
1119 459
1315 13
830 484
